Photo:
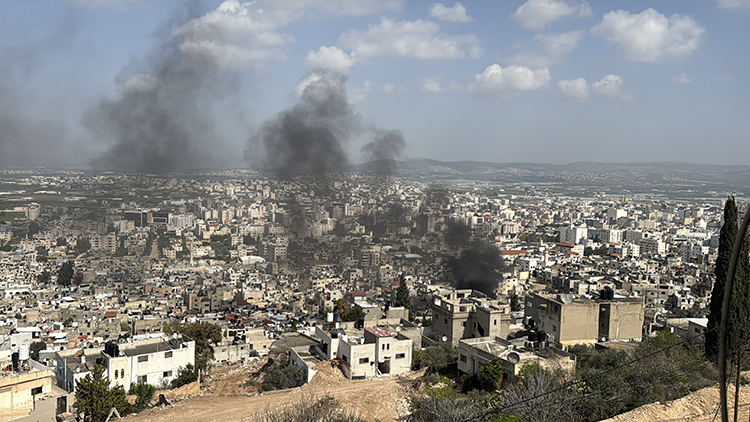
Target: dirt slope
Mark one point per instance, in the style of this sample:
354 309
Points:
699 406
226 400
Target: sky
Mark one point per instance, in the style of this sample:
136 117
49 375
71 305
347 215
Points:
162 85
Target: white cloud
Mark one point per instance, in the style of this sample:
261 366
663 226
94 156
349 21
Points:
420 39
357 95
575 89
536 14
433 85
496 81
392 89
650 36
733 4
682 79
235 34
331 58
457 13
608 86
548 49
580 90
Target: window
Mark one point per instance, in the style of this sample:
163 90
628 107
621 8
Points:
166 374
35 391
463 358
364 360
143 358
400 355
344 358
143 379
495 323
445 320
167 354
388 346
382 346
115 373
463 324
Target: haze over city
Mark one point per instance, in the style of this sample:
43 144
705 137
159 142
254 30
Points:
159 86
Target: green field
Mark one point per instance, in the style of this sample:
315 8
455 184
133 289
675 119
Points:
11 215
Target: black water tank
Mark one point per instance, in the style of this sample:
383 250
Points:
541 336
532 335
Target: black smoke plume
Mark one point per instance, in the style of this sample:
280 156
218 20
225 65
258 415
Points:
383 151
312 136
161 121
478 264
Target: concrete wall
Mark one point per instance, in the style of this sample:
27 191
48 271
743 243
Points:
15 390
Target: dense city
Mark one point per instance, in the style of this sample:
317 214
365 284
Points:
168 281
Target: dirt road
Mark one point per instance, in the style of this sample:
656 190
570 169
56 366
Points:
226 400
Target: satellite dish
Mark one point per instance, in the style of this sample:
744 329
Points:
398 329
513 358
444 339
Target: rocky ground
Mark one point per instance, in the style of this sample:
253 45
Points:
225 398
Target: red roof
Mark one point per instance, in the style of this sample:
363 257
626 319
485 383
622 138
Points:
514 252
565 244
110 314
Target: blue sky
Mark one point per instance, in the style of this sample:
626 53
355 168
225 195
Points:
554 81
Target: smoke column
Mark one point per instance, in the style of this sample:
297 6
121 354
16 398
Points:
162 121
384 149
477 266
311 137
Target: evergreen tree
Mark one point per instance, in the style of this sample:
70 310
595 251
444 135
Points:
726 244
95 398
65 274
402 294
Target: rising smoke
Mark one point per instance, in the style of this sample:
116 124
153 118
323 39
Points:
312 136
162 121
25 138
478 265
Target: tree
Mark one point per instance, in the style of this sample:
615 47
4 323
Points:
185 376
515 303
282 375
61 241
77 278
346 313
65 274
44 277
35 348
143 394
41 254
435 357
402 294
96 398
491 374
727 237
205 335
82 245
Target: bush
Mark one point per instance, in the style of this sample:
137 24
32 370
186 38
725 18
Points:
144 394
281 376
309 408
185 376
435 357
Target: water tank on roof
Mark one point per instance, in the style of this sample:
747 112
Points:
513 357
532 335
23 352
336 317
329 317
